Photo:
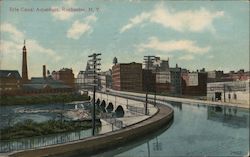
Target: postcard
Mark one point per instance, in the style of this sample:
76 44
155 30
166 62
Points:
130 78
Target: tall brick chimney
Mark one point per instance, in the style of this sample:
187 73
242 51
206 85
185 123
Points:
44 71
24 65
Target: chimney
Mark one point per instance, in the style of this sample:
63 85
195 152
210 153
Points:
44 71
24 64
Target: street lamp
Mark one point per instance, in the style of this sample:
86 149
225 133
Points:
148 60
94 64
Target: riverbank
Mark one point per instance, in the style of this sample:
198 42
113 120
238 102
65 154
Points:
41 99
30 128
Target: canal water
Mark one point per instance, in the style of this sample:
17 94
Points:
197 130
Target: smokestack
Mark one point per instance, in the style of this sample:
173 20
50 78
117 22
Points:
44 71
24 64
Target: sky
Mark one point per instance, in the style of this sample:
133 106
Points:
62 34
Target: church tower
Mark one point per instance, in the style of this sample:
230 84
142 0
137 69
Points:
24 66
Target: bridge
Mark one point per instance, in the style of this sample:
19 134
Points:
131 125
131 111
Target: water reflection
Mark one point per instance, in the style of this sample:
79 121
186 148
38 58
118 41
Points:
157 145
175 104
148 151
228 116
198 130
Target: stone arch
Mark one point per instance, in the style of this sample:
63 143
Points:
110 107
119 111
98 101
103 105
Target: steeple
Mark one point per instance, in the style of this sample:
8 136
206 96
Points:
24 64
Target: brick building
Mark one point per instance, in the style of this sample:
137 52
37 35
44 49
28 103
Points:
194 83
10 82
176 83
66 75
127 77
163 81
148 80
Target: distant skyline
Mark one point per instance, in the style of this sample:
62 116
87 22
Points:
194 34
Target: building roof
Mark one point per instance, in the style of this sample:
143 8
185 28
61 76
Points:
41 83
10 74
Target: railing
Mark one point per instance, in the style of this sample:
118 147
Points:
42 141
136 109
108 117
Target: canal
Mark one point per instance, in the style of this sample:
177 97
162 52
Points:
197 130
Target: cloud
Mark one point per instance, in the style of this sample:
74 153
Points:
12 30
186 46
63 14
135 21
11 49
188 20
79 28
35 47
210 56
17 37
186 57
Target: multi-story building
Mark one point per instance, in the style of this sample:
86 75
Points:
194 83
148 80
234 91
163 81
163 77
66 75
240 75
85 79
127 77
10 81
164 65
106 80
219 76
214 76
176 83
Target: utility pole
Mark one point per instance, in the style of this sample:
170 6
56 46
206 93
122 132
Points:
147 60
156 70
95 62
224 91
